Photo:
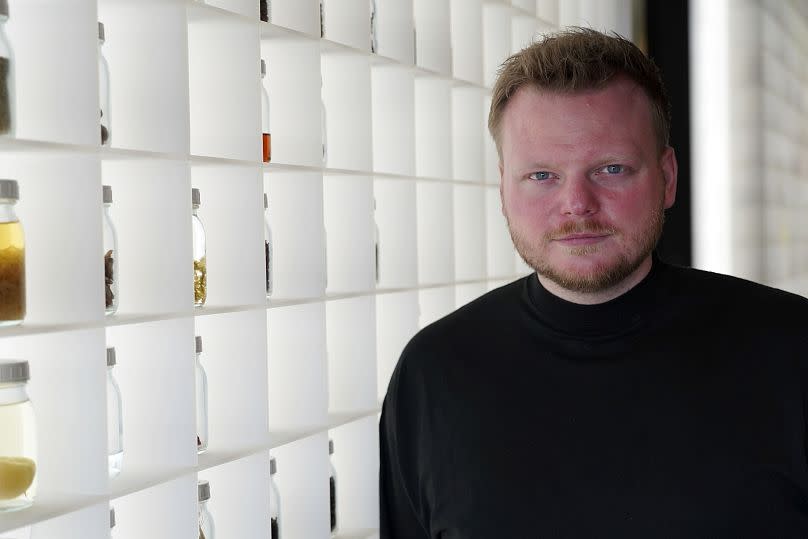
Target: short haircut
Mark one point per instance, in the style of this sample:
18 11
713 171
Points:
578 59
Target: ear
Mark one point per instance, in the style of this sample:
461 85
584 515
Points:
670 171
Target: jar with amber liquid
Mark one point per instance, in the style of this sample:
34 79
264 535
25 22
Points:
12 257
17 438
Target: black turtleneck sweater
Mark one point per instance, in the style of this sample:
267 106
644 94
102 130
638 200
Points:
677 410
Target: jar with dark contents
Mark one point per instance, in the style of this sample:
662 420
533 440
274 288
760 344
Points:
274 501
111 257
332 487
7 90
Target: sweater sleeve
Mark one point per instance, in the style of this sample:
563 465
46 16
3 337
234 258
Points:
401 514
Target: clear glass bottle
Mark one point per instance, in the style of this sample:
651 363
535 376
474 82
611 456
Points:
375 241
332 488
18 444
7 86
12 257
201 400
374 40
269 257
114 417
111 520
266 136
111 275
274 502
103 89
207 530
199 252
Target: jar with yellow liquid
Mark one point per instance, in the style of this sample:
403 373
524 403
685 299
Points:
12 257
17 438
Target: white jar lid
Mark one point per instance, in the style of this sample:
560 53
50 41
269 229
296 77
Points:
12 371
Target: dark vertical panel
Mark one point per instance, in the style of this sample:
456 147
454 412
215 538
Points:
666 25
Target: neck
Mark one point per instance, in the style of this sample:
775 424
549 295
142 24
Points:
601 296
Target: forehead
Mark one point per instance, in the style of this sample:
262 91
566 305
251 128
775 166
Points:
615 117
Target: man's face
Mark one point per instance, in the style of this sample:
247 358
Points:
583 185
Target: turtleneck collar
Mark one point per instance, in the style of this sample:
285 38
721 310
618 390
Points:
619 316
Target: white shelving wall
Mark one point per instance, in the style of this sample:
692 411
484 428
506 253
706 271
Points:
405 126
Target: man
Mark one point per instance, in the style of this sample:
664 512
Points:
609 394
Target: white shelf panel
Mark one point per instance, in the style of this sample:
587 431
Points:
301 16
164 511
56 509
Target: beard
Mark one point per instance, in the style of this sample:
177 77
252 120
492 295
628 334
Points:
600 276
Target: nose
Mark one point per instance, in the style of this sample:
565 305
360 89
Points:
578 197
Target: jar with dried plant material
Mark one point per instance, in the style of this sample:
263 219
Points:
18 446
274 502
332 489
103 89
12 257
7 104
207 530
111 257
199 252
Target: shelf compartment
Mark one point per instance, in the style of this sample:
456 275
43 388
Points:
56 41
232 214
298 15
394 30
468 124
500 260
151 211
547 10
55 518
356 461
435 233
293 85
396 218
247 8
155 373
433 127
68 393
433 47
469 232
348 22
298 232
348 215
148 76
165 511
393 96
496 32
239 496
346 93
396 323
524 30
298 382
302 481
351 354
466 29
60 212
234 351
224 91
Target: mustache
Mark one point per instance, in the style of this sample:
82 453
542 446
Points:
586 227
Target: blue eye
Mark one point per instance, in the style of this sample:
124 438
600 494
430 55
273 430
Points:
541 175
614 169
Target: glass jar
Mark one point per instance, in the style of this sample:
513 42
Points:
207 530
103 89
17 438
7 87
114 418
12 257
266 137
201 400
332 488
375 241
111 276
111 520
374 40
274 502
268 249
199 252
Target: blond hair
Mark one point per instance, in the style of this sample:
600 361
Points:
578 59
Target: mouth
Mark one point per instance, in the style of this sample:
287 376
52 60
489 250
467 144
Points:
587 238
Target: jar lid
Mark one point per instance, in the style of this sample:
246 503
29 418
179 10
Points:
111 356
4 7
203 491
107 194
14 371
330 447
266 201
9 188
272 466
101 36
195 197
198 342
111 517
263 67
